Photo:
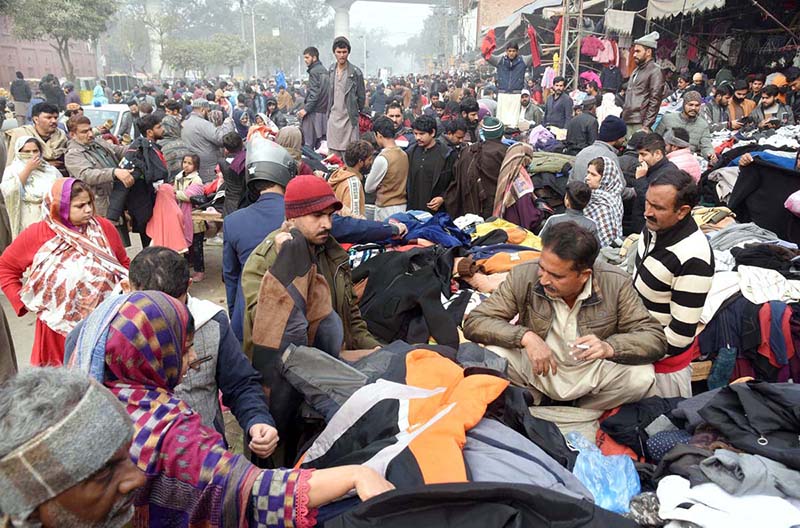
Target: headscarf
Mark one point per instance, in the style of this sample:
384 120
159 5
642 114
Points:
99 95
605 206
514 181
135 344
291 138
36 187
73 271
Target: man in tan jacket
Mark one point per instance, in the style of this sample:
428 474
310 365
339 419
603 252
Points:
347 181
583 334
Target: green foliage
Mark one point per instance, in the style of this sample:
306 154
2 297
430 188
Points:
183 55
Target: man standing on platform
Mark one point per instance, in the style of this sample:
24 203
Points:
315 110
645 86
347 96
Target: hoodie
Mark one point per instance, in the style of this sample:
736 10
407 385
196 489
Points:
347 187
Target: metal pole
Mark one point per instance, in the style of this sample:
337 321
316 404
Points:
786 29
577 65
255 55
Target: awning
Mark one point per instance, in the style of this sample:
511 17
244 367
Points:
559 11
670 8
528 9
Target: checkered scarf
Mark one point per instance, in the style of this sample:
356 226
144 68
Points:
605 206
192 479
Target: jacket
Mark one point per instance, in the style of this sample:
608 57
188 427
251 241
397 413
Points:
582 131
333 265
747 108
644 94
784 113
317 99
557 111
685 161
205 140
613 312
698 129
715 114
83 165
534 113
20 91
510 74
355 91
348 189
429 174
475 175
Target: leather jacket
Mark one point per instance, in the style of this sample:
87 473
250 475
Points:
355 91
644 95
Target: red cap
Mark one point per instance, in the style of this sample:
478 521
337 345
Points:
307 194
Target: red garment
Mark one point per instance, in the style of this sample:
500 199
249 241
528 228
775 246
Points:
304 169
557 31
591 46
671 364
489 44
166 226
48 345
536 59
608 446
764 321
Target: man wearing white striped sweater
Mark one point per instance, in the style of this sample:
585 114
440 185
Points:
674 269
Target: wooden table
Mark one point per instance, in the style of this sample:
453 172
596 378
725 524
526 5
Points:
208 216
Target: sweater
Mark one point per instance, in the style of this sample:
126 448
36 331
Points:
674 269
698 129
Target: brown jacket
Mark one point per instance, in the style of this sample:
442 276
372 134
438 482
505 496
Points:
747 107
614 313
82 165
346 185
644 95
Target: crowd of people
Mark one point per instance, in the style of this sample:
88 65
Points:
379 240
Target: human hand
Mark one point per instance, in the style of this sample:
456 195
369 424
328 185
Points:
368 483
263 439
435 203
125 176
712 158
301 114
641 170
746 159
33 163
597 349
540 355
401 228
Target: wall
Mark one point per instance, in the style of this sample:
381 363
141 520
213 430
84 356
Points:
490 12
35 58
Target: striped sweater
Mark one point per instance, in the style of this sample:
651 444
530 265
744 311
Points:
673 275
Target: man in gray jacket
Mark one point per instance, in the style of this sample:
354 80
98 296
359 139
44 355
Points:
347 95
314 114
205 139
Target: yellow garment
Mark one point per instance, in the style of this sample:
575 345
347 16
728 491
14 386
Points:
516 234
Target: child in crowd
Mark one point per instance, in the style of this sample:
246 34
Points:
576 199
188 184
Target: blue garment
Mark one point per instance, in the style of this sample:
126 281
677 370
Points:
511 75
484 252
786 162
280 80
558 111
440 229
237 117
243 230
777 342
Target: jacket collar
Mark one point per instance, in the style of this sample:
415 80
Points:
595 298
658 165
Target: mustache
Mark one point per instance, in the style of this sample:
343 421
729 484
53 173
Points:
650 218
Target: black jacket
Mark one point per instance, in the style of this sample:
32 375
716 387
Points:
581 132
640 186
20 91
318 87
428 174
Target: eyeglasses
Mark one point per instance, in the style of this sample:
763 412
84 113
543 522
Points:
195 365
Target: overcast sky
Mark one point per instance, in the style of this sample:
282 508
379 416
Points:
399 21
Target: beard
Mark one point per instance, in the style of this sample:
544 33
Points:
120 515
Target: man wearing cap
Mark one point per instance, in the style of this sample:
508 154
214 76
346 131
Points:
679 152
645 86
689 118
476 172
529 111
309 207
608 144
64 458
582 129
205 139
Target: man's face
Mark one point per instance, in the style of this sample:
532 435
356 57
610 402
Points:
558 87
722 100
512 53
558 278
341 56
424 139
767 100
308 59
739 95
396 115
682 84
116 98
471 117
134 108
46 123
83 134
525 100
104 499
271 107
316 227
651 158
434 97
457 137
691 108
659 208
757 86
439 111
158 132
640 54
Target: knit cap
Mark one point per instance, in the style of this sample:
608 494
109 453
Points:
649 41
492 128
692 96
200 103
307 194
611 129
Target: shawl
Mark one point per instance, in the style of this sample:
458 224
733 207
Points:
184 185
514 181
291 139
99 96
73 271
605 206
36 187
54 148
136 343
167 226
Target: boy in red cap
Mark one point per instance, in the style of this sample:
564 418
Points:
310 204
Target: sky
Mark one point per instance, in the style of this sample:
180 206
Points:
399 21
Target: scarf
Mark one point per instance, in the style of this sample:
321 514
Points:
605 206
135 344
36 187
54 148
73 271
291 139
514 181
